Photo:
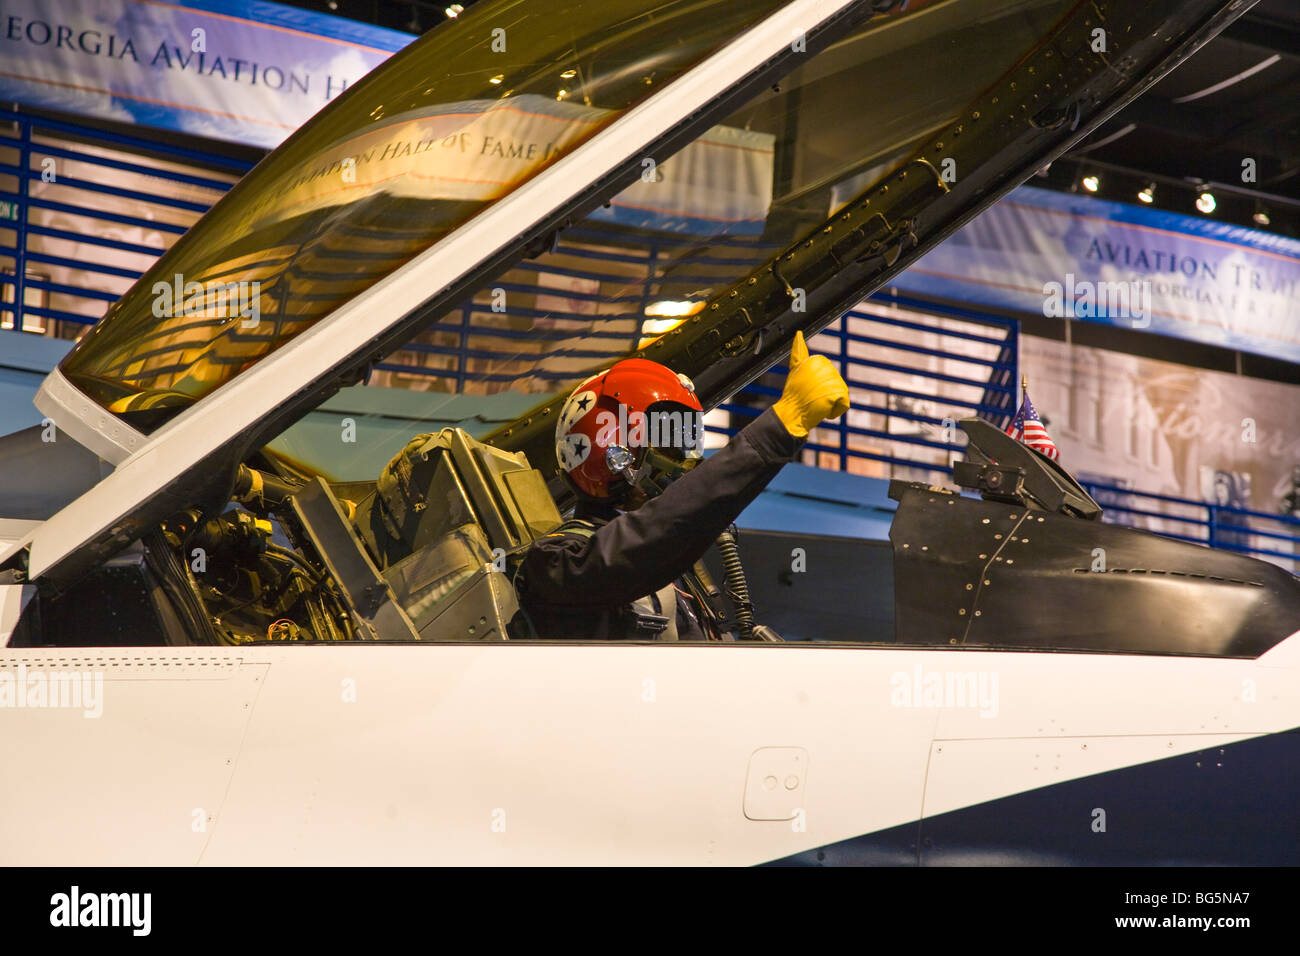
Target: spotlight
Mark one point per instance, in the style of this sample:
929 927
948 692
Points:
659 326
332 4
1091 182
670 308
1261 216
1148 193
1205 202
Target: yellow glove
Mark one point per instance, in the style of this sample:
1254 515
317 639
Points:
813 391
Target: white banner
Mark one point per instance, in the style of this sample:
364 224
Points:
242 71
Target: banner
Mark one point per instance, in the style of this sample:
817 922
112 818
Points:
1059 255
469 151
721 183
1146 425
239 70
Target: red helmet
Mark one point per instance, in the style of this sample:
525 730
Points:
611 418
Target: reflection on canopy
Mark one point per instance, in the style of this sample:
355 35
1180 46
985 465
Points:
722 207
453 122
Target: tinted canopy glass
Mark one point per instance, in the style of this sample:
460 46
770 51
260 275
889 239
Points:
454 122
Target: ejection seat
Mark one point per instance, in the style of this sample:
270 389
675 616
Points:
442 525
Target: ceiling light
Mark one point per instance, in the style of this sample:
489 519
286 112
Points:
1261 216
569 74
1148 193
496 80
659 326
1205 202
1091 182
673 309
453 11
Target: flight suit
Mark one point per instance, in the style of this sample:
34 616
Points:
579 581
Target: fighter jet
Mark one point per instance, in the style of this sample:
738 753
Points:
223 645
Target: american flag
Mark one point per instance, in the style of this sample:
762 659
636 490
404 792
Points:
1027 428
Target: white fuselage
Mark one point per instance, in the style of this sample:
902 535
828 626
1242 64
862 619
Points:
573 754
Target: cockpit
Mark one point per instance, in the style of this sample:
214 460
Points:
347 295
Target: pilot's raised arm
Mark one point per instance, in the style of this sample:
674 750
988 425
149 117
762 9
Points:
649 505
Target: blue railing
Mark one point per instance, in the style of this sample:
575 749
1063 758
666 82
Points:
1257 533
893 427
67 209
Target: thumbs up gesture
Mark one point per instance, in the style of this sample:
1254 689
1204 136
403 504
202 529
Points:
814 391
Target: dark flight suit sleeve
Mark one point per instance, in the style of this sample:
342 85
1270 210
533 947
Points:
640 551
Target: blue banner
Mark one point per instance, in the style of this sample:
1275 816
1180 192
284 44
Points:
1062 255
239 70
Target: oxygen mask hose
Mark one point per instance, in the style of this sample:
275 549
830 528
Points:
734 582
